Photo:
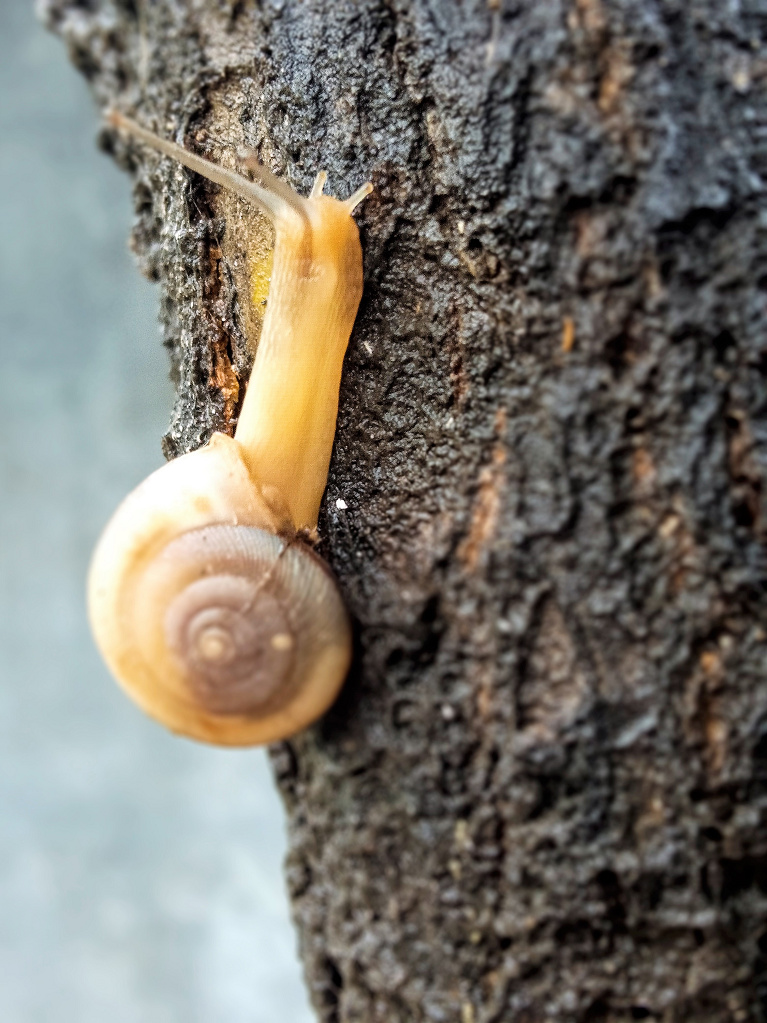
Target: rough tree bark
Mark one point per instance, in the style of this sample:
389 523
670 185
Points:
543 795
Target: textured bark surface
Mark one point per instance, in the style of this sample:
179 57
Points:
543 794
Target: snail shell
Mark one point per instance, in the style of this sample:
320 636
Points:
223 629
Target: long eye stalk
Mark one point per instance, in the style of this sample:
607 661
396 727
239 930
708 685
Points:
269 194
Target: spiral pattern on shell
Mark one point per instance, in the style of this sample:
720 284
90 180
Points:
235 640
240 635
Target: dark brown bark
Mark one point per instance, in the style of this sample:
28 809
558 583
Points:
542 796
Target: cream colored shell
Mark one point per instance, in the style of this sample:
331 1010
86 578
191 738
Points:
143 565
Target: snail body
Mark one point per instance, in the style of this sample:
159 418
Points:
206 605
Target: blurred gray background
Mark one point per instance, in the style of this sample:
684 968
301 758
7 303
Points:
140 874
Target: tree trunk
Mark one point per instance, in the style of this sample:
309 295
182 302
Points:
542 796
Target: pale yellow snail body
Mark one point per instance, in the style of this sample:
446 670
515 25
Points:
207 607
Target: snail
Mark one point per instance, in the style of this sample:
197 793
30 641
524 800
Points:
206 604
